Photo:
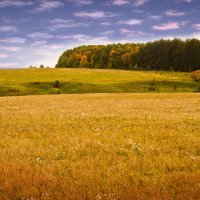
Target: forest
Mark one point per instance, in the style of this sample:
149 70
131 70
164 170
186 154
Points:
166 55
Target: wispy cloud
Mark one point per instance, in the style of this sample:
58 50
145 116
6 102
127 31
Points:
169 26
136 33
8 65
39 43
10 48
2 55
13 40
84 38
174 13
8 28
197 26
138 3
106 23
54 46
155 17
59 23
95 14
120 2
107 33
15 3
47 5
184 1
135 3
130 22
39 35
81 2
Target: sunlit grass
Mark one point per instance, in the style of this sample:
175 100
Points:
103 146
78 81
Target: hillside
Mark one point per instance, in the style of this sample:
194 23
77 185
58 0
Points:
167 55
78 81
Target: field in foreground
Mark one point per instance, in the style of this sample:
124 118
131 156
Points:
103 146
77 81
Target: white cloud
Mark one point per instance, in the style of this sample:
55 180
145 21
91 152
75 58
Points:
8 28
39 35
135 3
169 26
39 43
13 40
136 33
174 13
120 2
130 22
3 55
106 23
8 65
53 46
82 2
184 1
82 38
155 17
59 23
196 26
10 48
95 14
107 33
138 3
48 5
15 3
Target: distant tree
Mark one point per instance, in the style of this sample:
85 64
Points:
168 55
41 66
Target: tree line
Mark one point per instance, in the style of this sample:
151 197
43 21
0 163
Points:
167 55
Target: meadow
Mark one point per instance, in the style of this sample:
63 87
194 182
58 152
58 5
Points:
22 82
99 146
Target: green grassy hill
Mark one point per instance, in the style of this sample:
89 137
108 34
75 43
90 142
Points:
77 81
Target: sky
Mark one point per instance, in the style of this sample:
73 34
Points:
35 32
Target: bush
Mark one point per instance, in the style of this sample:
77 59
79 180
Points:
196 75
152 88
56 84
14 90
36 83
175 87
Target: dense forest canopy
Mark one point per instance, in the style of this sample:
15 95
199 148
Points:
169 55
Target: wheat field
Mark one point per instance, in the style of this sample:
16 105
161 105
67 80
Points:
100 146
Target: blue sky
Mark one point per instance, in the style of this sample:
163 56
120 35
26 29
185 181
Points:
34 32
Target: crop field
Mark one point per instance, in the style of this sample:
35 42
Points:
99 146
22 82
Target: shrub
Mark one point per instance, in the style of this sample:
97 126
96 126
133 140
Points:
14 90
175 87
196 75
153 82
152 88
36 83
56 84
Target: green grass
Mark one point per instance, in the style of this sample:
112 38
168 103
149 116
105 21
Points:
77 81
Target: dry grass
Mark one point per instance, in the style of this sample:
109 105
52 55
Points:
127 146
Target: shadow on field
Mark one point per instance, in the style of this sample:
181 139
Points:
42 88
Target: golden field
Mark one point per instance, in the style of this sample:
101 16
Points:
100 146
